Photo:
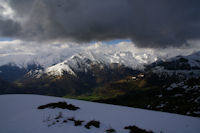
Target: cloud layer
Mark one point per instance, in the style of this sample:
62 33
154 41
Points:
148 23
23 54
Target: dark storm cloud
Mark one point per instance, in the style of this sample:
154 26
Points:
148 23
8 28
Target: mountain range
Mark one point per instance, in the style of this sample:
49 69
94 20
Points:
122 77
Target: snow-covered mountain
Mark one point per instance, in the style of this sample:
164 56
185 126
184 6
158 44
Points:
55 59
72 59
85 61
190 62
20 115
182 66
48 55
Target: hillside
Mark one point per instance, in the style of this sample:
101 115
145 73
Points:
20 114
151 92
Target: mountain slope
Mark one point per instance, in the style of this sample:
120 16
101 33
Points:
20 115
79 83
185 66
12 72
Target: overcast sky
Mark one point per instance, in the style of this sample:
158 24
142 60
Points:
147 23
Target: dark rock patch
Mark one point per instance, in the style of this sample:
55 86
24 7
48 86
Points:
92 123
62 105
111 130
135 129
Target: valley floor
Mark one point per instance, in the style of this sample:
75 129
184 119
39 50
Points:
19 114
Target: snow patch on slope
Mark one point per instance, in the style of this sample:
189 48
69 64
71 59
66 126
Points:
20 115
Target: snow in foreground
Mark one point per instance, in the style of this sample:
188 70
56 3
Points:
19 114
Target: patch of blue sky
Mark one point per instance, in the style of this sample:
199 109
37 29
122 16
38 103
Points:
6 39
116 41
112 42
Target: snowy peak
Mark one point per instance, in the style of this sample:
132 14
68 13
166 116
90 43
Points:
84 62
58 69
48 55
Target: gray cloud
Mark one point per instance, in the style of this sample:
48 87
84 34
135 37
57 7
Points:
148 23
8 27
